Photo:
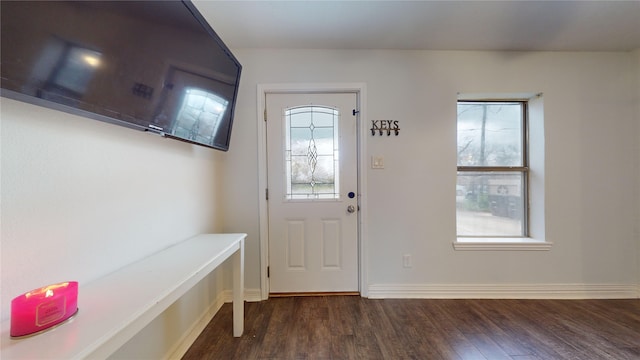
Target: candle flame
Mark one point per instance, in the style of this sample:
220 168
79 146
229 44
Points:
47 290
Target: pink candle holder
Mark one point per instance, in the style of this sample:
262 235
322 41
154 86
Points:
43 308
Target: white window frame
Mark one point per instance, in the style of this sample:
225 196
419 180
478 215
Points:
534 238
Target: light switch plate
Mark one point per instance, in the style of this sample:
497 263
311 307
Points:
377 162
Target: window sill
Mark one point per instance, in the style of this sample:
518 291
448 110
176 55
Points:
501 244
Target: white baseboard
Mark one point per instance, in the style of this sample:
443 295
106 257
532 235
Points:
504 291
253 295
250 295
196 329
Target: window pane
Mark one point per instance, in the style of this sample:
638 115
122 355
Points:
312 156
299 119
490 134
199 115
490 204
77 69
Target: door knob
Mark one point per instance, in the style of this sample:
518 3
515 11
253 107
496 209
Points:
351 209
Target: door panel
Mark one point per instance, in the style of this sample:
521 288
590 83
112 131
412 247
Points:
312 168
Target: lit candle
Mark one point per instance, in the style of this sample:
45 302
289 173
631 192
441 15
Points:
43 308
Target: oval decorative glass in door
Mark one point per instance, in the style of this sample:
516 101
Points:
311 153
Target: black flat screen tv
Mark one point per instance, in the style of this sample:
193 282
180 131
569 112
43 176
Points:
155 66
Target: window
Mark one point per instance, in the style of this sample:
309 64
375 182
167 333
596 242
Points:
312 156
199 116
69 70
76 69
493 169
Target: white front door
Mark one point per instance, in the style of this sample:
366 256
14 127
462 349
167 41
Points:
313 196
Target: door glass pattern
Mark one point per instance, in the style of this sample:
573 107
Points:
311 153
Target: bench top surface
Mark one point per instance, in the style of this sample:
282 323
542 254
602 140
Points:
113 308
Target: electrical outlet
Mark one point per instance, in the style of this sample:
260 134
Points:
406 260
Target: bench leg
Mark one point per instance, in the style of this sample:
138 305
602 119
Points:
238 291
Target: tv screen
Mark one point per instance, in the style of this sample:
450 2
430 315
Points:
149 65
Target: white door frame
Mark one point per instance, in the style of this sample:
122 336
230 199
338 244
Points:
360 90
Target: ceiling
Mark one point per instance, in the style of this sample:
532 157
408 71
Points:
605 25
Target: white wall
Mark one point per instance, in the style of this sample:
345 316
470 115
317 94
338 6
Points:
81 198
591 128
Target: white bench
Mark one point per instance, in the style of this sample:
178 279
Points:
114 308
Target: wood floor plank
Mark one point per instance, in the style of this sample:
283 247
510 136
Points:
415 332
512 329
470 324
429 330
387 338
455 344
351 327
496 320
278 329
545 327
608 338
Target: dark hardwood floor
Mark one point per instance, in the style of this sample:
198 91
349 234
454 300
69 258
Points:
351 327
